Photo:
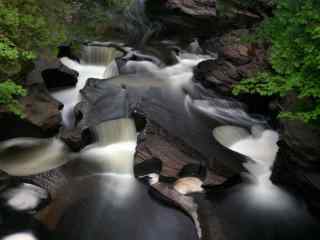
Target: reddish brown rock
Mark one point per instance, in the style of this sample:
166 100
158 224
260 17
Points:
157 143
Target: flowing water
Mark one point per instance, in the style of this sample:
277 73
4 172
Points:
272 211
103 200
98 62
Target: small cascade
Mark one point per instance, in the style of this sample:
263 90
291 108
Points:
112 70
115 149
98 62
260 145
99 55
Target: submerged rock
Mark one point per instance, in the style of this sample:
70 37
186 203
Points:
23 197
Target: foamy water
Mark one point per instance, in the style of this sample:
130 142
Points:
20 236
71 96
24 197
260 145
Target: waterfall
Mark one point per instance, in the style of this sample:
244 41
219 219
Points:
115 149
94 65
260 145
99 55
112 70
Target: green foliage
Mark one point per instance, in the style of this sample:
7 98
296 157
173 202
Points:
96 20
9 91
26 27
294 34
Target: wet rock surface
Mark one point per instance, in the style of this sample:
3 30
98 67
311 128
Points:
297 164
174 154
236 60
42 117
57 75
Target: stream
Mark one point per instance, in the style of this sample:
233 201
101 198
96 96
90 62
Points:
103 200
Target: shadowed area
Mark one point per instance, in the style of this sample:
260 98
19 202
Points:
130 213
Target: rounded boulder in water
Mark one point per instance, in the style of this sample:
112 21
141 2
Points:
23 197
31 156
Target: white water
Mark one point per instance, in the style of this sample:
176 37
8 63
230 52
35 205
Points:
114 152
24 197
260 145
20 236
175 76
71 96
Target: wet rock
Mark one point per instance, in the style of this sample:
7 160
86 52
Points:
23 197
13 127
182 16
237 60
57 75
41 109
42 117
193 170
153 165
228 183
219 74
102 101
297 163
174 155
76 138
139 119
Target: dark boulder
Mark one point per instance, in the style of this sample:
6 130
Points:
76 138
298 162
13 126
65 50
193 170
183 16
42 116
57 75
219 75
149 166
41 109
